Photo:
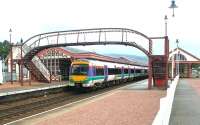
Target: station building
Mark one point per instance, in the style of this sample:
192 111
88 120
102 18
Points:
57 60
185 63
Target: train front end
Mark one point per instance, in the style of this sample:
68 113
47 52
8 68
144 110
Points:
79 74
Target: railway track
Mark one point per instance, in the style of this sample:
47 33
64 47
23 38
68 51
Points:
25 108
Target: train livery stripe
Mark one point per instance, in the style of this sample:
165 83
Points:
92 78
96 77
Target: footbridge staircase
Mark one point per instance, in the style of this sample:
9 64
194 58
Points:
33 63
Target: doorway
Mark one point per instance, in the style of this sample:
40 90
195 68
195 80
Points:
65 65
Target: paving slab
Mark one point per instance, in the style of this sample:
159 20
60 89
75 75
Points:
185 108
140 85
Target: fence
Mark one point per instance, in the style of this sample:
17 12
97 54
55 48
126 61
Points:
163 115
1 72
5 76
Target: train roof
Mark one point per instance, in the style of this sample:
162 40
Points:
101 62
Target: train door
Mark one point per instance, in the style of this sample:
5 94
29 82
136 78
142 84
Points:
129 71
134 73
122 70
94 73
105 73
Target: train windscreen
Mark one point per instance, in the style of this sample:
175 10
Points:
81 69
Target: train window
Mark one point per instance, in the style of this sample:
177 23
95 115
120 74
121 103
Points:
138 71
117 71
132 71
143 70
79 69
111 71
99 71
125 71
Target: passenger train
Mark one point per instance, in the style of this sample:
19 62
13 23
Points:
87 73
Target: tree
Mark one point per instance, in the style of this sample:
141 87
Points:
4 49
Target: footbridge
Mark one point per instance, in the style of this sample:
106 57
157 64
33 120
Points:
84 37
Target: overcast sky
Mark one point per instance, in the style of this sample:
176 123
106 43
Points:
30 17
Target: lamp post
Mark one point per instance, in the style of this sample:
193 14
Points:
177 42
165 24
11 58
21 65
172 65
173 6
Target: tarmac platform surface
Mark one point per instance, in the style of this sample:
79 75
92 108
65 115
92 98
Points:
186 105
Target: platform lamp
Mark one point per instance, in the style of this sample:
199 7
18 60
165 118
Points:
165 24
173 6
11 58
178 58
21 63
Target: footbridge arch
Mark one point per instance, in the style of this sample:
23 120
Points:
97 36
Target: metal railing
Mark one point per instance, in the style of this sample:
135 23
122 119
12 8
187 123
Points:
38 63
41 67
97 36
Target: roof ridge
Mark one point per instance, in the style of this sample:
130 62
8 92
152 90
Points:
185 52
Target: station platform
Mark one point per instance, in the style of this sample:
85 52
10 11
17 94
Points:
15 88
185 108
133 104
